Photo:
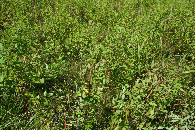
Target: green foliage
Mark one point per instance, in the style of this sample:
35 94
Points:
97 64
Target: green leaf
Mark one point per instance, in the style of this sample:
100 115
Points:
190 71
141 125
46 101
45 93
123 96
150 111
1 46
153 104
124 128
1 78
42 80
161 127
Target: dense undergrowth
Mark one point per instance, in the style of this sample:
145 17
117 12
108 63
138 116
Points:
107 64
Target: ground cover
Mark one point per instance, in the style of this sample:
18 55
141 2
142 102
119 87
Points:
81 64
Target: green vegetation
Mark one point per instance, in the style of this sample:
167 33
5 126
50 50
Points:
97 64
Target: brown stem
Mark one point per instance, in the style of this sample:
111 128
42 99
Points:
65 123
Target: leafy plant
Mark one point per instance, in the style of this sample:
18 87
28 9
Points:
97 64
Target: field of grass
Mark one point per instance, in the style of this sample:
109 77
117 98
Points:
97 64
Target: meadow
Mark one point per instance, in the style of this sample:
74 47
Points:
97 64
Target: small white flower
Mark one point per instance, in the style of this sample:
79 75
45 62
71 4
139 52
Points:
100 89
